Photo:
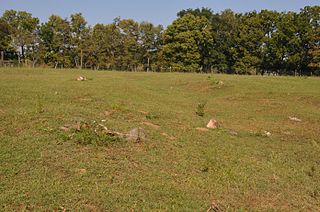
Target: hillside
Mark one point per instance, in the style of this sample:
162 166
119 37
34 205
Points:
258 158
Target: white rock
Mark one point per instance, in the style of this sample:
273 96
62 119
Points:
81 78
294 119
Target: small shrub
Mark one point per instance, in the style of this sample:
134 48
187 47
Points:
40 108
215 83
151 116
90 134
200 108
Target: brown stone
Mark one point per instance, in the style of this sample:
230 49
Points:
149 124
108 113
213 124
202 129
81 78
168 136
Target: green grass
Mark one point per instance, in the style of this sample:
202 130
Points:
41 170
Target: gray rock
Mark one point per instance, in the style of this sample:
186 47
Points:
136 135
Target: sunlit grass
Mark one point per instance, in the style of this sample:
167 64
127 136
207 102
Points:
177 168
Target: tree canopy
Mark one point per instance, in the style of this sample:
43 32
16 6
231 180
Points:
199 40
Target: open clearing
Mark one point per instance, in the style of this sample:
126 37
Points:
177 168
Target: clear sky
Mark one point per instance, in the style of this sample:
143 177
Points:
156 11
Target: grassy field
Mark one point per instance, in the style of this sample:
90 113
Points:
177 168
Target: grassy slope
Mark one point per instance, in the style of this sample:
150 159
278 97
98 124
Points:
39 171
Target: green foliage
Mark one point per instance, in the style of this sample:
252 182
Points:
200 108
23 31
185 41
89 135
199 40
152 116
5 35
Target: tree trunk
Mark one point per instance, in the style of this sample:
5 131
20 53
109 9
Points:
81 59
22 54
19 60
2 58
34 61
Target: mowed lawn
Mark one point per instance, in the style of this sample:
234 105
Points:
177 168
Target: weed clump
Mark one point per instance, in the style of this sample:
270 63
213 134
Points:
86 134
200 111
40 108
215 83
151 116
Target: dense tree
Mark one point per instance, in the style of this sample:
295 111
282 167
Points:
185 42
284 43
56 39
149 45
311 18
22 27
79 35
5 36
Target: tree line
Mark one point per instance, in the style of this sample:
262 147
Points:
199 40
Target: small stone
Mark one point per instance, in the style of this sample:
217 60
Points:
66 129
266 133
81 78
213 124
143 112
233 133
136 135
201 129
108 113
168 136
294 119
82 171
149 124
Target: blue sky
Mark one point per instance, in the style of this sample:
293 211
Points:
156 11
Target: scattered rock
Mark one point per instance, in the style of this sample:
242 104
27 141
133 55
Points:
233 133
81 78
201 129
63 128
213 124
204 169
68 127
214 207
143 112
266 133
168 136
136 135
220 82
149 124
103 120
85 99
82 171
108 113
294 119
